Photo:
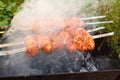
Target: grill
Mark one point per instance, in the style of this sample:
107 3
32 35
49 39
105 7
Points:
91 65
50 40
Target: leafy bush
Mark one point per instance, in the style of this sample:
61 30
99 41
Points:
112 12
8 9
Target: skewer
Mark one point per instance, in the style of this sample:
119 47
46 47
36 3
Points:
9 52
14 51
22 42
11 44
86 24
103 35
94 23
2 32
96 17
96 29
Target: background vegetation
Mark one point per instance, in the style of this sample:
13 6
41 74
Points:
8 9
112 12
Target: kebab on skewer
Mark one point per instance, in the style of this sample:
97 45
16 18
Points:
71 44
89 18
74 22
32 48
67 37
14 51
36 25
81 41
46 45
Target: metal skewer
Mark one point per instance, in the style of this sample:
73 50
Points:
94 23
14 51
89 18
96 29
2 32
96 17
103 35
11 44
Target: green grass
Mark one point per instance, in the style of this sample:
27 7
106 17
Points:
112 12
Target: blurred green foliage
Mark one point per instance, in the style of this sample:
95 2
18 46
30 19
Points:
8 9
112 12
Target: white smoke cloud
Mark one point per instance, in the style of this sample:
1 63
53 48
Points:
35 10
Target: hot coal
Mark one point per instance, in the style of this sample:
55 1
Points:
58 62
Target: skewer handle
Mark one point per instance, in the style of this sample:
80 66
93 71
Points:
2 32
11 44
96 29
10 52
103 35
94 23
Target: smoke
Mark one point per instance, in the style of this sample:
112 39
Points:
43 10
34 11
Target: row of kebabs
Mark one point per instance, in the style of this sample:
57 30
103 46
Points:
81 40
71 38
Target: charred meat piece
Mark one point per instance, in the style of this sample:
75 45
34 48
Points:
45 45
70 30
62 40
81 46
84 40
74 22
32 48
57 41
71 45
68 41
71 24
